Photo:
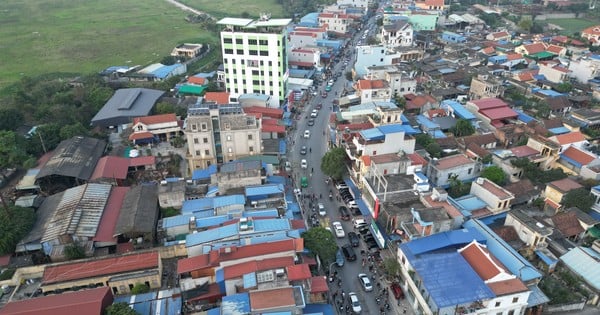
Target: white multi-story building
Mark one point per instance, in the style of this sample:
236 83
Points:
255 57
337 23
397 34
220 133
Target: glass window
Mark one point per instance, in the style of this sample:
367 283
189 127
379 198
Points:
249 137
228 51
227 40
205 140
239 41
206 152
252 42
196 141
253 52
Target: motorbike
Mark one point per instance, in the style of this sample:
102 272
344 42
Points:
330 195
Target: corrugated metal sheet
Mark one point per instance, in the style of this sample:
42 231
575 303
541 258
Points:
78 212
268 225
264 190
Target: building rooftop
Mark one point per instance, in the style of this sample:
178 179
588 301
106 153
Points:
126 104
92 301
263 301
565 185
452 161
585 262
530 222
75 157
494 189
100 267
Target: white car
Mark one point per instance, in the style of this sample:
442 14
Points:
366 282
303 164
314 113
355 303
306 134
322 211
338 229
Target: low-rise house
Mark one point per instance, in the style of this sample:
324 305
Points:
305 57
496 198
373 91
238 174
559 105
383 139
335 23
498 36
556 191
120 273
430 5
111 170
90 301
592 34
583 261
149 129
441 171
138 216
576 139
492 110
531 231
585 68
573 159
587 118
568 225
485 86
524 191
188 50
427 221
554 72
124 106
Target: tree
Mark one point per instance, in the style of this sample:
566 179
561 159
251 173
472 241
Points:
10 118
495 174
120 308
320 242
14 225
348 75
12 150
462 128
169 60
457 187
392 267
434 150
140 288
333 163
525 24
564 87
76 129
74 251
580 198
423 139
372 40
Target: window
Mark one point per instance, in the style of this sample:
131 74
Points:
270 63
498 304
196 141
255 82
227 40
264 53
230 150
205 140
515 299
239 51
228 138
251 148
252 42
239 41
249 137
194 126
511 312
255 72
197 152
228 51
263 42
253 52
203 126
470 170
227 125
206 152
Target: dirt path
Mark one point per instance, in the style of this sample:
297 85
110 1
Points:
188 8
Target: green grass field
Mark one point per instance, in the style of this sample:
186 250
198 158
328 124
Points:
235 8
571 26
86 36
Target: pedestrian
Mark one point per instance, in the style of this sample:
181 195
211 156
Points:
404 312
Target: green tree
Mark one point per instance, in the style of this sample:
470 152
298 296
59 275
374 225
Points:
525 24
462 128
348 75
69 131
169 60
10 118
580 198
140 288
120 308
564 87
333 163
12 150
372 40
14 225
74 251
320 242
457 187
392 267
423 139
495 174
434 150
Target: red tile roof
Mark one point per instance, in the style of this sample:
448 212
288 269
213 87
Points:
499 113
352 127
100 267
488 103
568 224
571 137
534 48
265 299
481 261
524 151
297 224
452 161
525 76
506 287
416 159
555 49
220 98
565 185
298 272
488 50
111 167
272 128
196 80
268 112
514 56
92 302
592 30
496 190
214 292
108 222
318 284
142 161
371 84
141 135
419 101
237 270
155 119
578 155
254 250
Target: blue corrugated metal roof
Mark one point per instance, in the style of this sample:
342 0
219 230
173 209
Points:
190 206
178 220
421 176
450 239
276 180
462 285
517 265
372 134
424 121
235 304
249 280
446 70
458 109
523 117
229 200
164 71
268 225
214 311
211 235
585 262
467 204
396 128
559 130
570 160
282 147
438 134
264 190
294 207
204 173
547 260
214 220
404 119
269 213
321 309
549 93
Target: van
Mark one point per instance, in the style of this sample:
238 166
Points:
358 223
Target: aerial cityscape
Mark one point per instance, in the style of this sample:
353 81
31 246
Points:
288 157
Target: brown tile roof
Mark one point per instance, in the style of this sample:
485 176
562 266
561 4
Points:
578 155
514 56
556 103
565 185
473 150
220 98
488 103
453 161
100 267
571 137
567 223
507 233
155 119
488 50
480 260
385 158
524 151
496 190
593 30
523 186
264 299
238 270
416 159
506 287
419 101
298 272
318 284
480 140
534 48
555 49
92 301
371 84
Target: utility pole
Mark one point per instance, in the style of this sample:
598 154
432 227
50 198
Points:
42 141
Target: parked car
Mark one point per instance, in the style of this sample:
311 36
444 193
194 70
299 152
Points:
354 302
349 252
339 258
303 150
353 238
366 282
344 214
397 291
338 229
341 185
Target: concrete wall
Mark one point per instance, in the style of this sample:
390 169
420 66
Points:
543 17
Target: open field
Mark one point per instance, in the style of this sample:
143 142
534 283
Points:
571 26
86 36
235 8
